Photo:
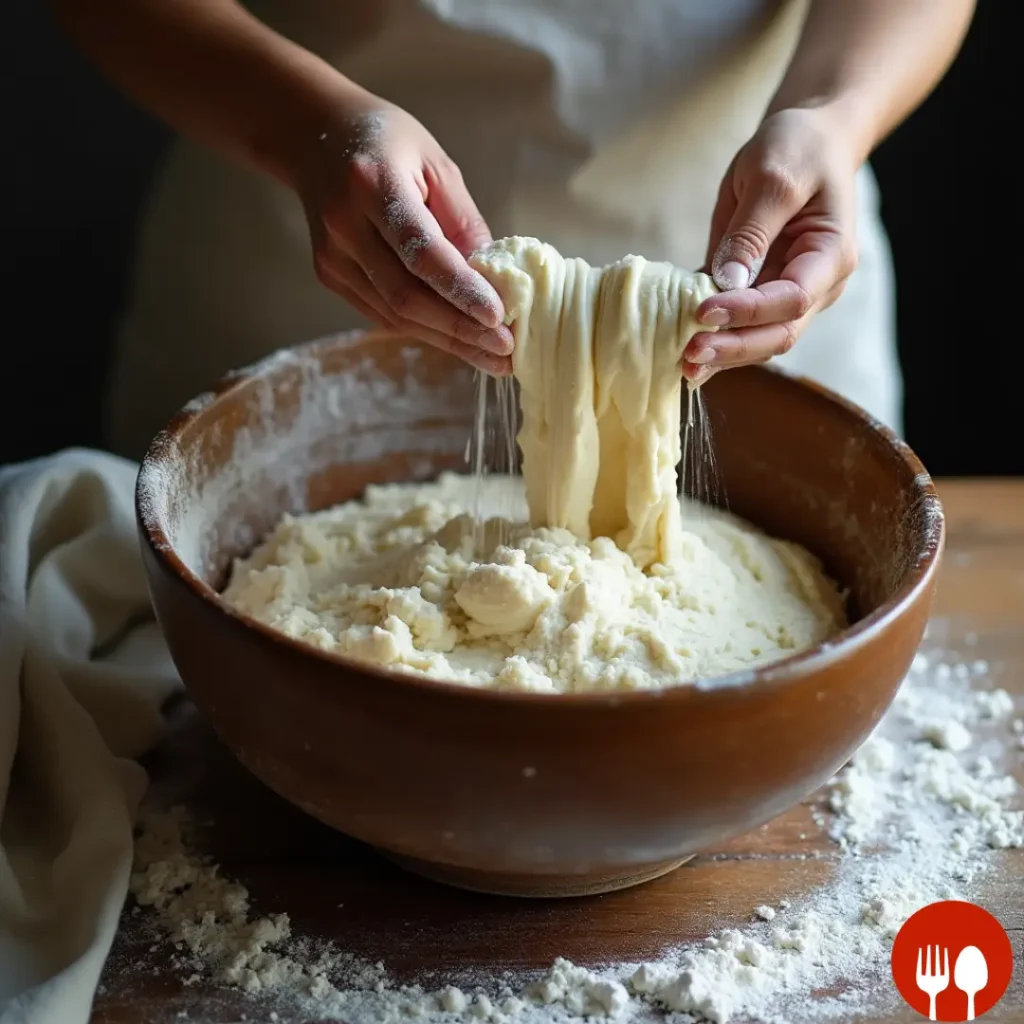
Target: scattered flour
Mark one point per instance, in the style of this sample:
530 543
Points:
211 927
916 816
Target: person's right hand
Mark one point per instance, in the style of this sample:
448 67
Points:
391 224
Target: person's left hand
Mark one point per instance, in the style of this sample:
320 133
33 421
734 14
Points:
786 220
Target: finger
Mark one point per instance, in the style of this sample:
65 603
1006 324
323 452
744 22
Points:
413 233
495 365
743 346
833 295
769 303
410 300
449 201
346 278
821 264
343 271
816 264
762 211
353 299
696 374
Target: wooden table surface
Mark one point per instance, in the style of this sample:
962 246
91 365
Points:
334 888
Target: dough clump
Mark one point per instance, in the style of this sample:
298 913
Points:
589 574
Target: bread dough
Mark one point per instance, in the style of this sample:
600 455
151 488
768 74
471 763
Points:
597 358
397 579
592 576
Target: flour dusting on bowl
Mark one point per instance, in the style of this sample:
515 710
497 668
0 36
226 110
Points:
296 427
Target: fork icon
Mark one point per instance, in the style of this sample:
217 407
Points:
932 979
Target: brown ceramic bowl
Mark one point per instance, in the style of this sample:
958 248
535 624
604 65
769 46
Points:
513 793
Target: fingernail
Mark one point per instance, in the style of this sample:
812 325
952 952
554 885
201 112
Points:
495 367
716 317
499 341
702 375
731 276
702 355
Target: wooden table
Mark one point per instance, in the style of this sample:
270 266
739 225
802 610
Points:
334 888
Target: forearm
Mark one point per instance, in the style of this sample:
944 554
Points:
213 72
872 61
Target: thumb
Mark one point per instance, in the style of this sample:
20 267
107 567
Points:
456 213
758 219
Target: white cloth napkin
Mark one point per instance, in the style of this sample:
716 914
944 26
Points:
83 676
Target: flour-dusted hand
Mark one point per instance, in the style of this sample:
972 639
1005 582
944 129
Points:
783 241
392 223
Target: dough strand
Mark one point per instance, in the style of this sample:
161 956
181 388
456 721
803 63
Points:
597 357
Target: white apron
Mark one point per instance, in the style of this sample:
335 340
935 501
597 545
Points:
600 126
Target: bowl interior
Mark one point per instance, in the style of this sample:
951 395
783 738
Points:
312 426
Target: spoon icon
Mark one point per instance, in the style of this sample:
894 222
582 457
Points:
970 975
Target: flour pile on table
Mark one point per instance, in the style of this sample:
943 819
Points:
398 580
916 817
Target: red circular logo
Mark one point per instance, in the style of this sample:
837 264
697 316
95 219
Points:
952 961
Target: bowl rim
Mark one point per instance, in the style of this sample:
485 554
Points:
775 674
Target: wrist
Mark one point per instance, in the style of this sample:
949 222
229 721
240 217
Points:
287 142
845 122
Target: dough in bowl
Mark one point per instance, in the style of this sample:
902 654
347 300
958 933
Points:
587 575
405 579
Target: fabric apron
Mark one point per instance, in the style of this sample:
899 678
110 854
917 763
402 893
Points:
599 126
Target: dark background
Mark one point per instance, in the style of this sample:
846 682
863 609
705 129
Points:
79 160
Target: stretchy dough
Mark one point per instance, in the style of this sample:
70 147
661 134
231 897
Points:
597 358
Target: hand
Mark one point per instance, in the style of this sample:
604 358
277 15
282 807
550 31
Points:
391 224
785 219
